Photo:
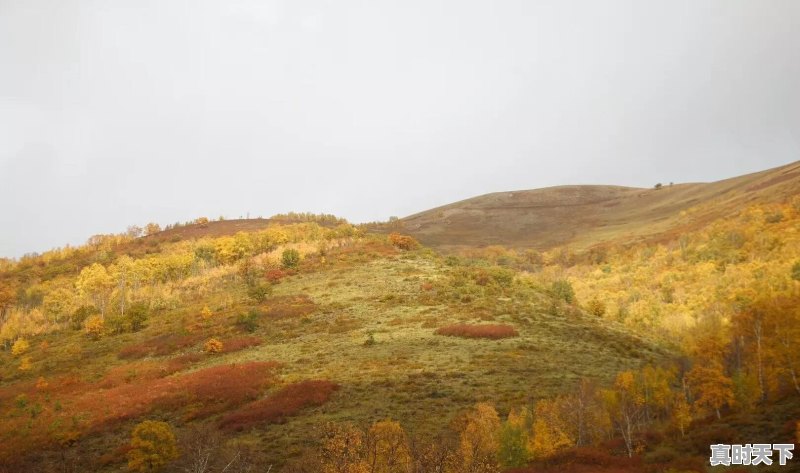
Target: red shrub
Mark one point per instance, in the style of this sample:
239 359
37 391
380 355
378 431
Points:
490 331
236 344
275 275
200 393
160 346
147 370
287 401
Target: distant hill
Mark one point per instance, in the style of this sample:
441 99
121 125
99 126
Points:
582 216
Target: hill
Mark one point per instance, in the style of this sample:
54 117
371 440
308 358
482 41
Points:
583 216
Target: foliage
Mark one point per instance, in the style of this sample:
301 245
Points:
153 446
94 326
20 346
403 242
290 258
213 346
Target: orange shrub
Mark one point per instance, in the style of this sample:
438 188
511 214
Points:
286 402
213 346
490 331
404 242
275 275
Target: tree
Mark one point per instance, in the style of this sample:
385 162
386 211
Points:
681 413
95 283
7 297
596 307
479 439
550 430
342 449
153 446
514 439
94 326
387 448
625 406
290 258
712 388
152 228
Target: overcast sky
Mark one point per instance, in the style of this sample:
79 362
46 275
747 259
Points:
121 112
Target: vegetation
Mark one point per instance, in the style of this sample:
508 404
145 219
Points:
309 344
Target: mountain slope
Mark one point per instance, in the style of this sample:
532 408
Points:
582 216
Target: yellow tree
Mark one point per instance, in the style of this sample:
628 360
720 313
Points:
625 406
95 283
342 449
479 433
550 429
387 448
153 445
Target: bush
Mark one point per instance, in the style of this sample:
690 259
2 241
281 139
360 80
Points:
290 258
241 343
80 315
20 347
136 315
403 242
490 331
259 292
249 321
213 346
94 326
562 290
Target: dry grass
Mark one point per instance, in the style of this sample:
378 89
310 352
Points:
490 331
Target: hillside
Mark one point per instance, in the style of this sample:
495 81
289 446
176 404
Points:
582 216
350 333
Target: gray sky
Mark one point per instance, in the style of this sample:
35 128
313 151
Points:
121 112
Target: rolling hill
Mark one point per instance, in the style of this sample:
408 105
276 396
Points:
583 216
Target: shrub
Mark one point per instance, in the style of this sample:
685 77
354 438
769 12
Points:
259 292
275 275
20 347
403 242
241 343
94 326
596 307
286 402
80 315
490 331
206 313
213 346
290 258
562 290
136 315
249 321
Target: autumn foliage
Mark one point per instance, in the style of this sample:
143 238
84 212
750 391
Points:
286 402
490 331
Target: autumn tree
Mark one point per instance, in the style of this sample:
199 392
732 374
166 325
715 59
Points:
479 439
387 449
625 406
342 449
95 283
20 347
153 446
551 432
152 228
712 388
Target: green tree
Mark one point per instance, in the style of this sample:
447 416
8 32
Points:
153 446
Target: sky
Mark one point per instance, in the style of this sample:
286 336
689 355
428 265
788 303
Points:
115 113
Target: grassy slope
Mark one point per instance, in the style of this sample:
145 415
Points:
582 216
410 374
